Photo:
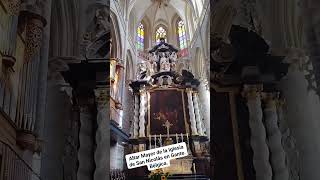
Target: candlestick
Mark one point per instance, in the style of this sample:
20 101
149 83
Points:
150 141
194 168
155 141
182 137
177 139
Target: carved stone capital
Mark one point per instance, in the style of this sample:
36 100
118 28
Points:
270 98
84 108
297 58
101 97
189 90
252 91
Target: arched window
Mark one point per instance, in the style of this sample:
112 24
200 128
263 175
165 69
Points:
161 33
182 38
140 37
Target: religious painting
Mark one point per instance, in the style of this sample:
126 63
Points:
167 105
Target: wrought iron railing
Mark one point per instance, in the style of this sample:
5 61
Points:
13 167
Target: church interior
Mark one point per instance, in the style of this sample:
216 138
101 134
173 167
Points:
83 84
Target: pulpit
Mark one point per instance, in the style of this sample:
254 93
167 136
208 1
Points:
166 108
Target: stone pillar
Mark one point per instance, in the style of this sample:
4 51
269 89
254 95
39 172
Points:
136 116
85 151
198 114
142 119
278 155
54 133
302 112
258 134
191 113
8 36
102 136
204 103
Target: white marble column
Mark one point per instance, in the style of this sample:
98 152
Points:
102 135
302 112
258 134
198 114
142 119
191 113
278 155
136 116
204 104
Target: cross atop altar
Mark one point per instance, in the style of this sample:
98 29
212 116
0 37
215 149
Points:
167 124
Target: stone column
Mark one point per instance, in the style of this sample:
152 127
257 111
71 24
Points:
303 112
142 119
258 134
278 155
204 103
85 151
58 106
8 36
198 114
136 116
102 136
191 113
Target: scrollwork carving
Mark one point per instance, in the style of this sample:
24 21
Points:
34 30
13 6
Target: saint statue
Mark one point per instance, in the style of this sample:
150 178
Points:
164 63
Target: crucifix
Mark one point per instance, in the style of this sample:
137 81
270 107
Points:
167 124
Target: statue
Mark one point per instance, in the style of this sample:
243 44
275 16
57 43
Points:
142 71
96 40
164 63
153 67
173 59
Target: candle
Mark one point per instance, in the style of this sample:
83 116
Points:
181 137
177 139
194 168
187 137
155 141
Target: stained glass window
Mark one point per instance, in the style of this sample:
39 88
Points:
182 38
140 37
161 33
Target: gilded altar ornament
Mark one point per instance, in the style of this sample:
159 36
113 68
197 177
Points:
158 174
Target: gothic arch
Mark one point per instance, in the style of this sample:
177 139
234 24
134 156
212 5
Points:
199 64
130 70
157 25
147 31
116 46
64 23
174 35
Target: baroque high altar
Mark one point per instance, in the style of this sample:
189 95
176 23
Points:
167 110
